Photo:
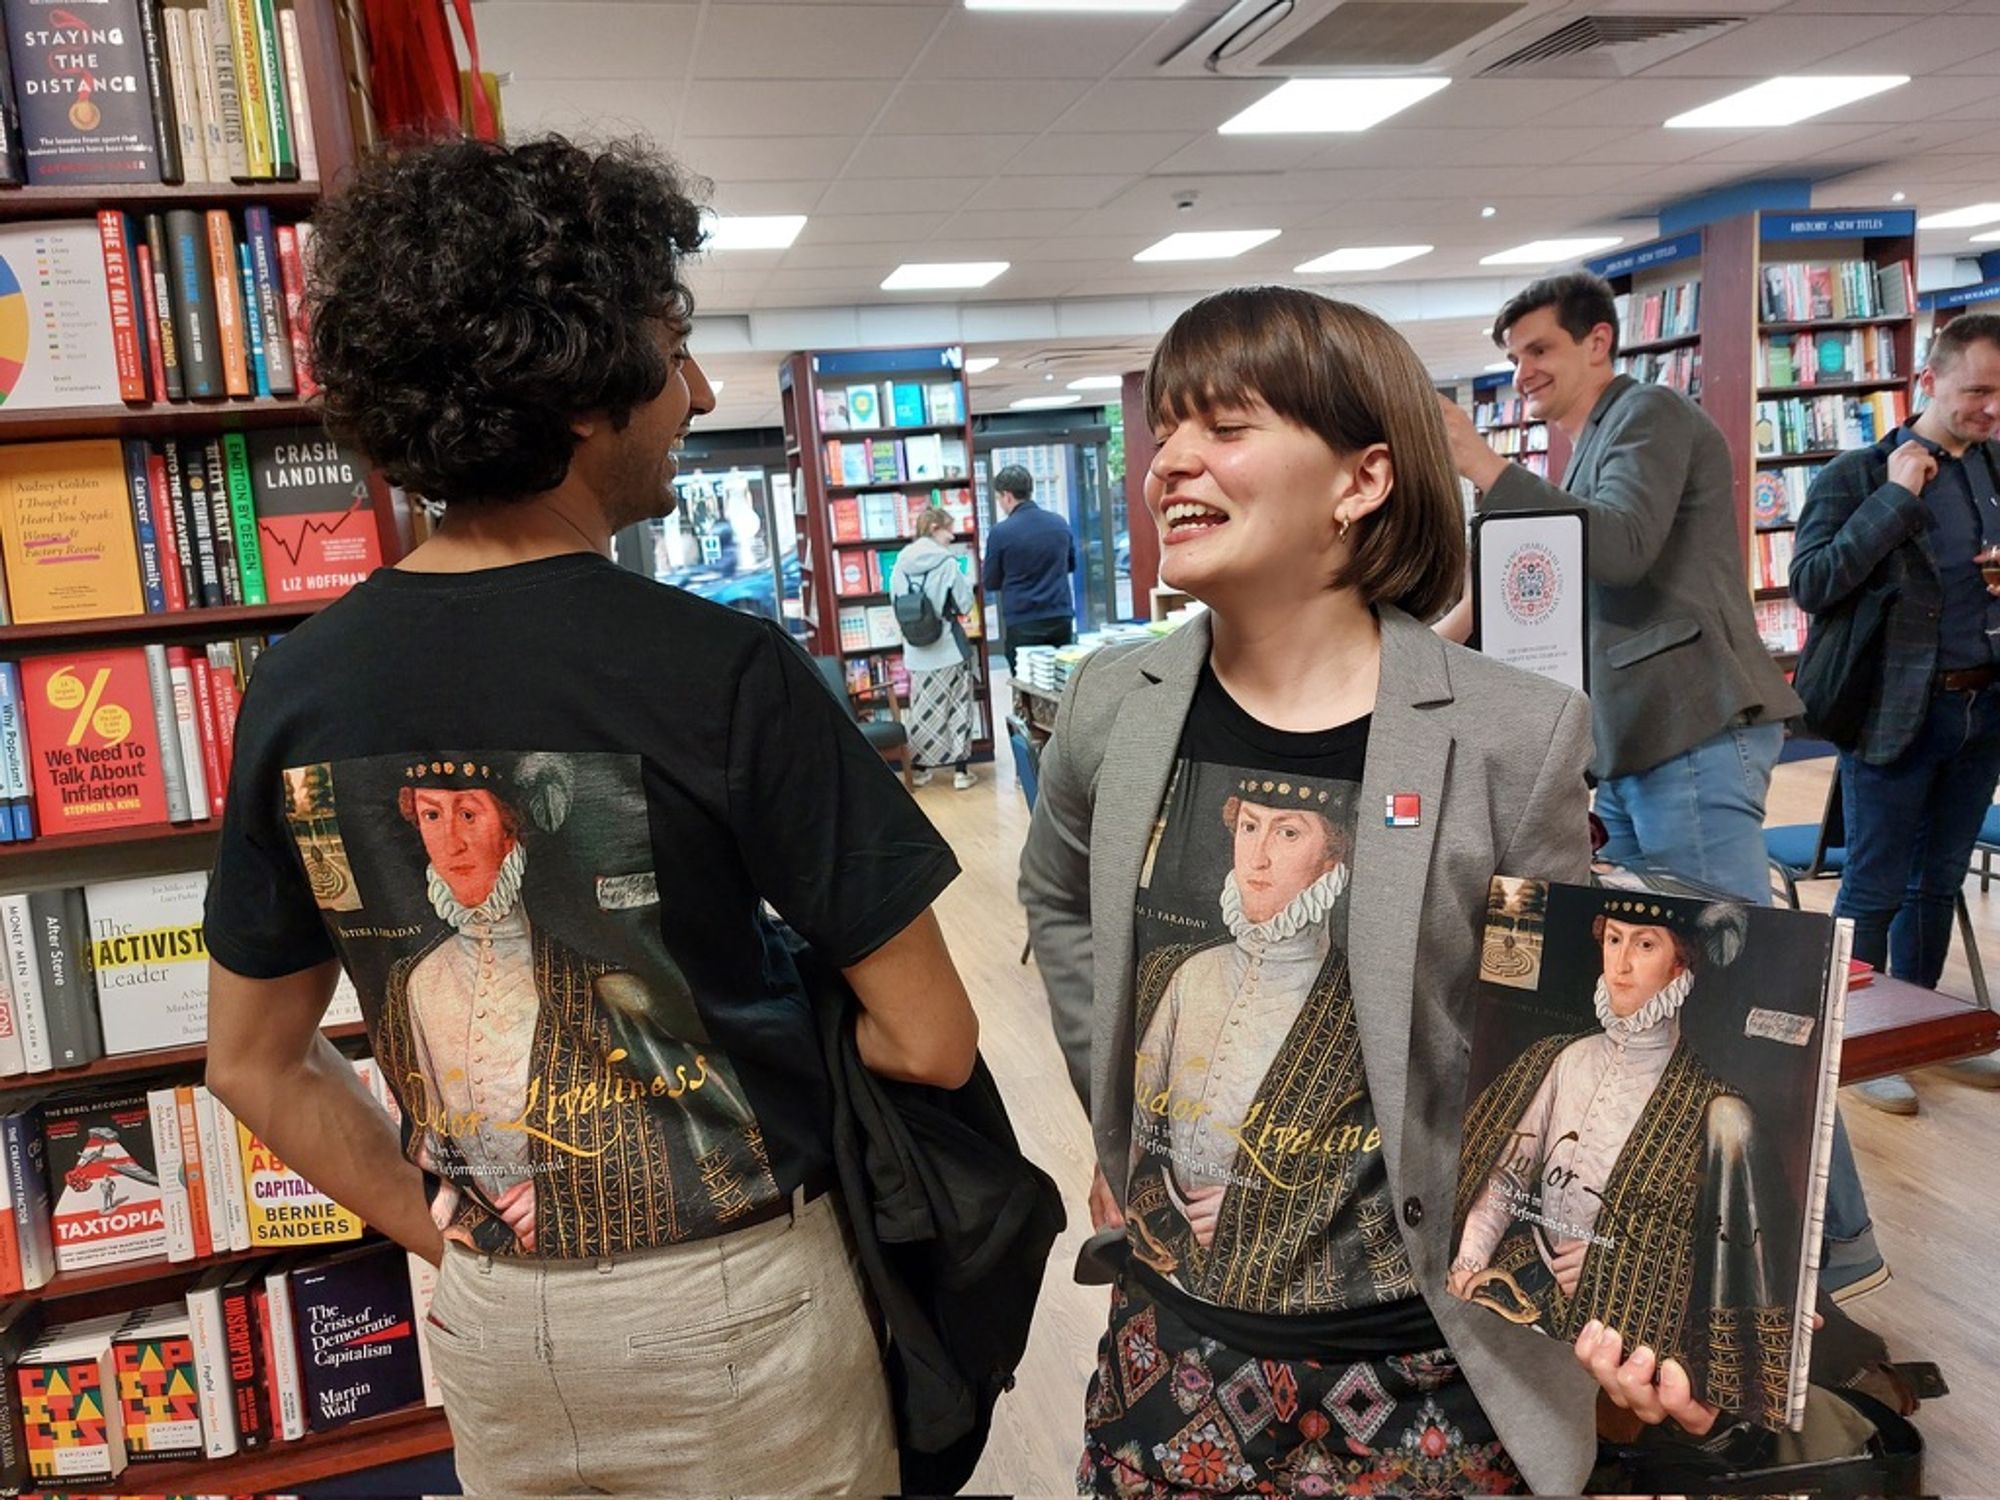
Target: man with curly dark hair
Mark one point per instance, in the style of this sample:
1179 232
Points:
615 1139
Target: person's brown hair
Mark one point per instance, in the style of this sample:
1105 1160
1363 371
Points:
1959 335
937 518
1341 372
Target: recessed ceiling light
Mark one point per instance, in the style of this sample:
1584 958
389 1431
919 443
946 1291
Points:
1987 238
750 232
1135 7
1897 197
1499 366
980 365
1098 383
1207 244
1548 252
1039 403
1488 211
1785 101
930 276
1365 257
1314 106
1961 218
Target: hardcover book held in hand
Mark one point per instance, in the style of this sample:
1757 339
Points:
1650 1115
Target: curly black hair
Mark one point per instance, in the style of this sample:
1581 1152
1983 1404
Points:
469 300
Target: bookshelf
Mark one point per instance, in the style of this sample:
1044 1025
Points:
860 478
1935 309
1795 331
66 860
1500 416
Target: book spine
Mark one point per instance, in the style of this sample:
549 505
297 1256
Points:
181 89
277 104
220 529
164 1116
195 329
228 90
173 773
28 1184
201 67
274 1414
124 317
10 1285
303 138
211 743
269 300
215 1170
196 1171
292 273
228 701
13 1056
250 88
13 789
172 581
211 1366
183 524
25 970
81 954
228 302
286 1379
253 323
62 983
14 743
200 525
166 122
166 343
139 485
149 321
13 165
239 1332
235 1196
182 678
243 517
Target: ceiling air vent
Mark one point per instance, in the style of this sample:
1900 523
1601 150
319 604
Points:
1609 46
1390 33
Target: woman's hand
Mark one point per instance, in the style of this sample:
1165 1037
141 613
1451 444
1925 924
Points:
1632 1385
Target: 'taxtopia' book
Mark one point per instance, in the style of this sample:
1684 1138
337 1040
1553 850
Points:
1650 1114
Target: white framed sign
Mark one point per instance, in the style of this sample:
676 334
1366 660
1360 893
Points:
1530 592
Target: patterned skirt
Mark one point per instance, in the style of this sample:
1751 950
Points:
941 715
1173 1413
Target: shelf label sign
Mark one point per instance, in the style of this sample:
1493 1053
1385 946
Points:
1960 296
1838 226
1643 257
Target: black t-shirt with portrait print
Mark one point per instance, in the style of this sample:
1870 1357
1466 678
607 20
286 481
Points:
1258 1203
536 811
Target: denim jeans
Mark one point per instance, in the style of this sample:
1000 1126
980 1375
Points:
1910 829
1699 815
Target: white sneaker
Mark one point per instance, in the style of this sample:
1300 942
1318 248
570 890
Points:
964 781
1979 1072
1892 1094
921 777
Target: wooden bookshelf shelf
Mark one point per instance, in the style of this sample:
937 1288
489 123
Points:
1817 456
157 197
134 1064
1660 346
875 596
837 434
145 833
1832 388
946 482
135 1273
179 622
1827 325
1765 595
159 420
414 1432
1780 526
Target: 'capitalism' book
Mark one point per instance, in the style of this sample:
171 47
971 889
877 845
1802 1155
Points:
1650 1114
357 1335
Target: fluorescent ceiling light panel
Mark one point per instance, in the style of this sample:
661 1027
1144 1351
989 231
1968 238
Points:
945 275
1499 366
751 232
1317 106
1365 257
1987 238
1098 383
1207 244
1785 101
1129 7
1961 218
981 365
1549 252
1039 403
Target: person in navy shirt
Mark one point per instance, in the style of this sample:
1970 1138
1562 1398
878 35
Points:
1029 559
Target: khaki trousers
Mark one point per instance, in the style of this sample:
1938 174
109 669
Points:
745 1364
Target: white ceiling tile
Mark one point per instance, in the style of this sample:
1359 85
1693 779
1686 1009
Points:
976 44
1494 103
767 158
1985 65
839 227
1778 44
589 111
1656 147
1048 192
1418 150
1243 153
934 155
976 107
1794 143
741 40
1191 104
1097 152
544 40
736 196
884 253
1635 102
801 108
1010 223
1920 47
867 195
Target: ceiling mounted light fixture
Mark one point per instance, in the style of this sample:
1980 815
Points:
1364 258
750 231
1550 252
948 275
1326 106
1207 244
1785 101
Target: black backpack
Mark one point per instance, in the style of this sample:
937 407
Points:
1839 673
916 616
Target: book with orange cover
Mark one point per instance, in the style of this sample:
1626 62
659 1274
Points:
95 753
66 532
229 317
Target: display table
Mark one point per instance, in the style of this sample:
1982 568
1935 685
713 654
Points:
1036 708
1893 1026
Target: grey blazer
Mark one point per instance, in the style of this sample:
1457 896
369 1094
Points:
1674 653
1497 758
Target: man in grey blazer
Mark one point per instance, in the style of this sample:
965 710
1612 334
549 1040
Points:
1689 708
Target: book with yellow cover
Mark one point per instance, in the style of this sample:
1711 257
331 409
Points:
66 532
285 1209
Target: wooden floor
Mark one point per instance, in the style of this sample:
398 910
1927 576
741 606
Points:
1933 1181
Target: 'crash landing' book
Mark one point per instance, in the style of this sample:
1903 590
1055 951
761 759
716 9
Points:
1649 1115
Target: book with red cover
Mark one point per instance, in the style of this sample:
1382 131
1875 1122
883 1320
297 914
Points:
315 516
1860 974
124 310
96 754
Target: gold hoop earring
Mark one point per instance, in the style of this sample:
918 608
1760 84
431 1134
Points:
1344 525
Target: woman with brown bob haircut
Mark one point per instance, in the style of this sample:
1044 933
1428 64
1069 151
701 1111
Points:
1272 1043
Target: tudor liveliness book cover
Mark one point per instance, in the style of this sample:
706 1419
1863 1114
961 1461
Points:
1650 1110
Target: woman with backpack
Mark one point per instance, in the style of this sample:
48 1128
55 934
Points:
932 593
